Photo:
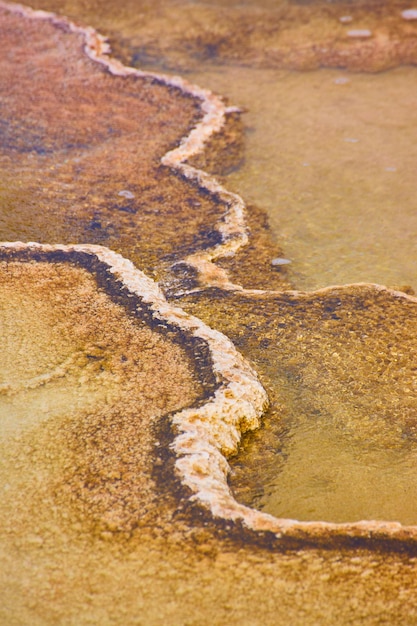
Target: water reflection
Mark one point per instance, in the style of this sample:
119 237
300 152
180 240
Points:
324 473
330 156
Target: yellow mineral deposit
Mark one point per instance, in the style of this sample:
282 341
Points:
121 411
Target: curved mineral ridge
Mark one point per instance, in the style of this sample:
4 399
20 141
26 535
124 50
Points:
207 433
77 357
226 396
359 345
102 176
81 543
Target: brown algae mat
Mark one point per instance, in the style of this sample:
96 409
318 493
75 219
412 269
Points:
116 507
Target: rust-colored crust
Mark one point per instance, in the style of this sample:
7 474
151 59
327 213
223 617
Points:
106 279
205 435
223 238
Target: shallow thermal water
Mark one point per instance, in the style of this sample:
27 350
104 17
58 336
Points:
330 155
336 224
324 473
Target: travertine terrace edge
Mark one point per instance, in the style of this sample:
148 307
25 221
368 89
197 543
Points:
218 498
209 433
232 226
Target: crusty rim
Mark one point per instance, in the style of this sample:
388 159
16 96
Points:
208 434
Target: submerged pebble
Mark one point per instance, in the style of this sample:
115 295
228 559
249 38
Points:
280 261
359 33
126 194
409 14
341 80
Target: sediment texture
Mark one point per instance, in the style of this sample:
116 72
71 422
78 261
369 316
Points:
125 489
